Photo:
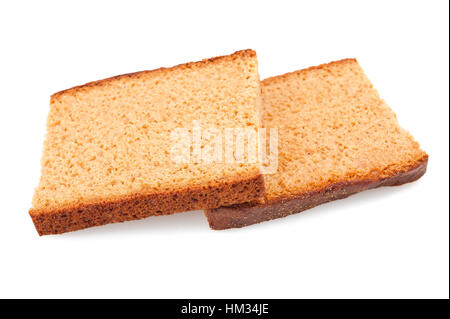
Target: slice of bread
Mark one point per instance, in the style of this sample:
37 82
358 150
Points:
107 155
336 138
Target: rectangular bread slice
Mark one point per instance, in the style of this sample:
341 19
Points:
336 138
107 155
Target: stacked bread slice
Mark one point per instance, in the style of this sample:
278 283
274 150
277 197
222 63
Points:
107 156
336 138
108 152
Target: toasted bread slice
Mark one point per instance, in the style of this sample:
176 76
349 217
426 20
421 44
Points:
336 138
107 154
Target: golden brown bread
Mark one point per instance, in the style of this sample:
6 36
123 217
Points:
336 138
107 152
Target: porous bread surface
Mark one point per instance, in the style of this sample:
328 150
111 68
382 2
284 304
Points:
333 127
336 138
109 140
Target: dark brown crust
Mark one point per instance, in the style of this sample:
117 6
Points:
138 207
245 215
235 55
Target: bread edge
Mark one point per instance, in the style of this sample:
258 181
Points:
316 67
238 216
135 207
248 53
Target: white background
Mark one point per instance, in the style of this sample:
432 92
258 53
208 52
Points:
389 243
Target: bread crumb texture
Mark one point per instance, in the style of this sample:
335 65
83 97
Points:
109 141
333 128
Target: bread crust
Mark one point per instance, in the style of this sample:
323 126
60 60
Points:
236 55
306 70
140 206
238 216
